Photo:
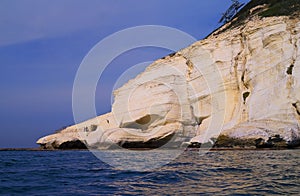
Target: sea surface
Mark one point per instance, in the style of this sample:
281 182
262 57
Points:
268 172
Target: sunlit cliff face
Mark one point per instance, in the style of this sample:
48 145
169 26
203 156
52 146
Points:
241 82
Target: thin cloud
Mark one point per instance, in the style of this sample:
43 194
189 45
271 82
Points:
22 21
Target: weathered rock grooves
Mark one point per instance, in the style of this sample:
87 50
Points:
247 77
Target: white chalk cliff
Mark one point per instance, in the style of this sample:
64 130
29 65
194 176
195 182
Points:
242 82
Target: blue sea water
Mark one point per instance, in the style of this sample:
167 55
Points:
216 173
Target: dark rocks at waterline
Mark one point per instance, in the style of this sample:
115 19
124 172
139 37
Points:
277 142
69 145
223 141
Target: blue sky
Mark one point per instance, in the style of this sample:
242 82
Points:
42 43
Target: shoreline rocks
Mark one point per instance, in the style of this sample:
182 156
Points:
242 84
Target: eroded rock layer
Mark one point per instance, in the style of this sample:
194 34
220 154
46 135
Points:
243 83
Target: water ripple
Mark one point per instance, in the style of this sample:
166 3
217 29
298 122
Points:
221 173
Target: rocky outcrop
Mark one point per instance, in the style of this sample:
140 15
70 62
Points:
260 77
241 83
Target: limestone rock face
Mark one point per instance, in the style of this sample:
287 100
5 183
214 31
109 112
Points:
243 83
261 75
